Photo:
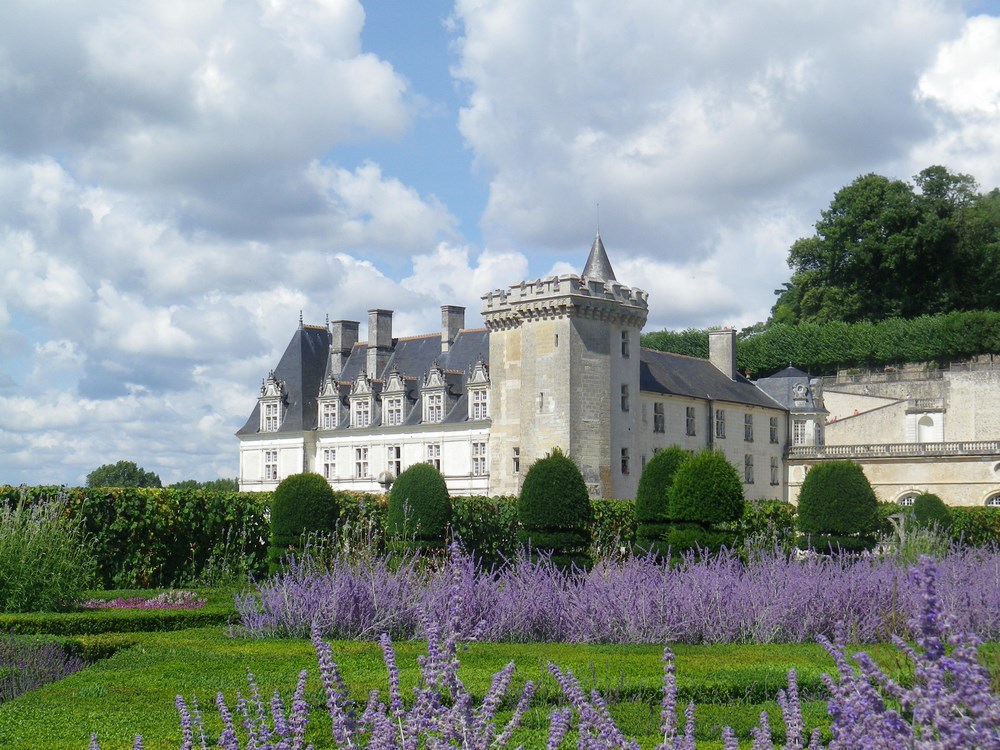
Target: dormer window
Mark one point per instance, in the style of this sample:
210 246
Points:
361 412
328 415
362 402
479 389
433 407
393 408
329 404
394 399
273 399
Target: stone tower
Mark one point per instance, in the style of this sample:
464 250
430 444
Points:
568 348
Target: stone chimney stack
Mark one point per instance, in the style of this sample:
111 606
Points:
452 321
379 341
343 337
722 351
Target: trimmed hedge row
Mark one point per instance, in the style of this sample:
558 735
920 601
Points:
823 348
160 537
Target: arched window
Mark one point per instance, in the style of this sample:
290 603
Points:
993 501
925 429
906 499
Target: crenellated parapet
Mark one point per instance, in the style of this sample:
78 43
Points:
565 296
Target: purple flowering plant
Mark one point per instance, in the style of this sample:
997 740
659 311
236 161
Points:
170 599
948 704
28 664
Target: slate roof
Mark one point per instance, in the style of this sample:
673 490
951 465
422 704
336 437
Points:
303 369
598 264
780 385
676 374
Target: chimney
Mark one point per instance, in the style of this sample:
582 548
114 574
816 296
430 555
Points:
452 321
379 341
722 351
343 337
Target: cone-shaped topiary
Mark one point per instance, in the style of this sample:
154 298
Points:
419 509
706 491
837 508
651 499
554 510
301 504
930 510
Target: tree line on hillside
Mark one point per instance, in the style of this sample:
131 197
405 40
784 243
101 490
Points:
895 272
129 474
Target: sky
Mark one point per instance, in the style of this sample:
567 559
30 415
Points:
180 178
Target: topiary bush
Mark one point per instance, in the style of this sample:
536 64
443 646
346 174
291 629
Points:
419 509
652 516
706 493
838 508
930 510
301 504
555 512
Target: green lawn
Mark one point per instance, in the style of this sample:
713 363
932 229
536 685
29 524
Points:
133 691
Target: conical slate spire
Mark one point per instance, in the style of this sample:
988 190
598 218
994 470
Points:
598 266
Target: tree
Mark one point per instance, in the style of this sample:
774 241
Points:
122 474
837 508
887 248
554 510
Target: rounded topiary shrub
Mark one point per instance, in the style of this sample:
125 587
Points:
651 499
707 492
555 512
301 504
930 510
837 508
419 509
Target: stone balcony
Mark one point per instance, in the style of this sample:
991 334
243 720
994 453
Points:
896 450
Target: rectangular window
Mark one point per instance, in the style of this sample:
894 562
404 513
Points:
774 430
625 344
394 460
625 403
799 432
434 455
625 461
479 460
748 428
330 463
479 404
271 466
271 417
720 423
774 471
394 411
434 407
516 460
328 417
361 463
659 418
689 421
362 413
748 469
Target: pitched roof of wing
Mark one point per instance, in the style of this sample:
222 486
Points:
598 266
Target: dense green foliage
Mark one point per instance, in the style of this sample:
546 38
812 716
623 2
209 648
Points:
707 490
837 507
826 348
554 509
652 515
46 562
930 510
301 504
887 248
122 474
156 537
214 485
419 508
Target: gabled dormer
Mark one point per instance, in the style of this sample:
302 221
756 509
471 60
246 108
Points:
362 400
273 403
478 387
434 395
330 404
395 402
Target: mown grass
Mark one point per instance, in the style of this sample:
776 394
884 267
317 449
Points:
133 691
132 686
